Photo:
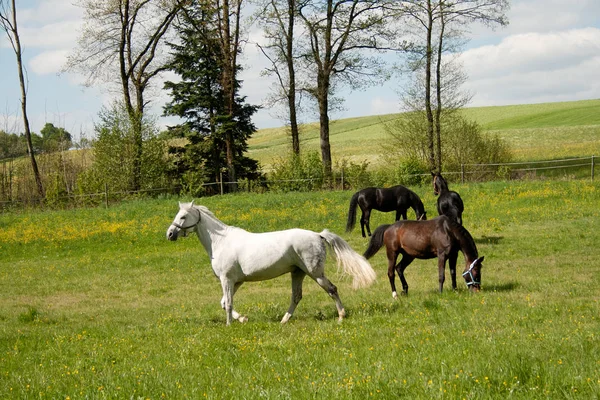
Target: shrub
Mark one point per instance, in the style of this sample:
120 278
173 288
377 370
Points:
297 173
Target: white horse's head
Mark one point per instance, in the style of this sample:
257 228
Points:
185 221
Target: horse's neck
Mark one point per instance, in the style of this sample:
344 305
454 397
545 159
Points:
210 231
466 242
442 185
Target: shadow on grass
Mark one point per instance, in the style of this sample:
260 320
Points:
489 239
504 287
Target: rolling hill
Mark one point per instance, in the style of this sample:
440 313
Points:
534 132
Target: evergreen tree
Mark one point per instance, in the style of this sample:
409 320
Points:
199 99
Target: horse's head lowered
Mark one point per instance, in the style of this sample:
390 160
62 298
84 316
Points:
472 274
185 221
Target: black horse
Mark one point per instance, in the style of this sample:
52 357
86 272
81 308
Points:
449 202
397 198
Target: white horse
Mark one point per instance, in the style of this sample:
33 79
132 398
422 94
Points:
238 256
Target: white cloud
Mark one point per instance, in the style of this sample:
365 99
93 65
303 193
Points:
535 67
48 62
46 11
380 105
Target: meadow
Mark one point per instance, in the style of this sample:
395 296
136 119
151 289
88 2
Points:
96 303
533 131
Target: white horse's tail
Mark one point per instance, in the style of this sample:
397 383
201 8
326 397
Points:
351 262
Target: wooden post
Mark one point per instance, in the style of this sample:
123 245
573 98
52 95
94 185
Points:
106 195
221 179
342 178
462 173
593 165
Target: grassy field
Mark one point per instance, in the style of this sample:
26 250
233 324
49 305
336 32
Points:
534 132
96 303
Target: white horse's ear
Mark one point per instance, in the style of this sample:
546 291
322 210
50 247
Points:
192 203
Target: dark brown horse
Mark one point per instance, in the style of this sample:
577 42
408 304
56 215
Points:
440 237
396 198
449 202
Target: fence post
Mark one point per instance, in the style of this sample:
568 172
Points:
106 195
342 178
462 173
221 179
593 165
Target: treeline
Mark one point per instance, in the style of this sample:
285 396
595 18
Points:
313 48
50 139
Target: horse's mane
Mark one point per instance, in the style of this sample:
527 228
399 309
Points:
207 213
464 237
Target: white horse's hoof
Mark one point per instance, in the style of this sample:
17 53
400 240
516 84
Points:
243 319
395 295
286 318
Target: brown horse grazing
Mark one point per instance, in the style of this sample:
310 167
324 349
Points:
440 237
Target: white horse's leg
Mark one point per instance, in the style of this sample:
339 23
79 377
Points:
227 302
234 314
332 292
297 278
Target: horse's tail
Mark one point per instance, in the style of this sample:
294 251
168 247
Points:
352 212
351 262
376 241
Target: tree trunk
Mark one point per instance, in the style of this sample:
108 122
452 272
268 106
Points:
428 111
228 83
18 53
292 76
438 88
323 91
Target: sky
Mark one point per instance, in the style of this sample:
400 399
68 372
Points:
549 52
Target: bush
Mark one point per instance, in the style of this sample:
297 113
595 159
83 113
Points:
114 154
297 173
351 175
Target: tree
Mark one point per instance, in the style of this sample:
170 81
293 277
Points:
278 19
202 101
55 138
114 150
339 32
8 22
449 19
128 35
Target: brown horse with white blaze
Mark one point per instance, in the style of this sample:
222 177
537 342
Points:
440 237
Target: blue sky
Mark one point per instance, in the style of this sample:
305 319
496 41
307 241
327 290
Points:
549 52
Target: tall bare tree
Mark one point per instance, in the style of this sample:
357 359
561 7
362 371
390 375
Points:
444 21
340 34
122 43
229 27
278 18
8 23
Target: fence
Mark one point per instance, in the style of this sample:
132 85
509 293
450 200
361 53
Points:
468 172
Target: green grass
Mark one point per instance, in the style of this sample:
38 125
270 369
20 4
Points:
96 303
533 131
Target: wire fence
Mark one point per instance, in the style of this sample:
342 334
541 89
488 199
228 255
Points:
570 168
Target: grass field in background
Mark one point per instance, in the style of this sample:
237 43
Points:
534 132
96 303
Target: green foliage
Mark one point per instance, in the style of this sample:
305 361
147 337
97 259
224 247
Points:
12 145
297 173
356 176
200 99
412 172
114 154
54 139
463 142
